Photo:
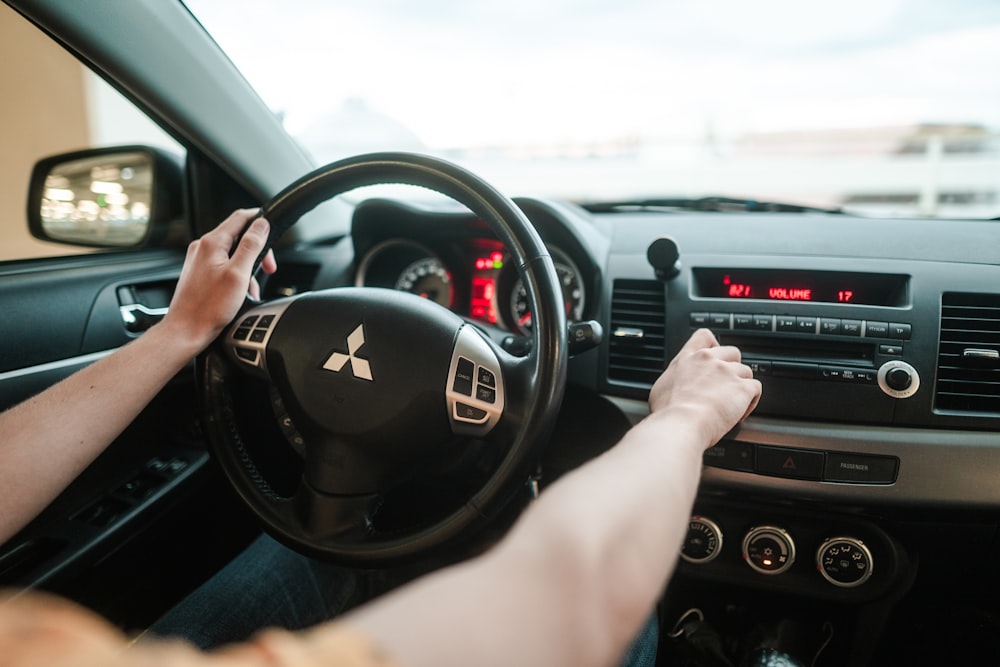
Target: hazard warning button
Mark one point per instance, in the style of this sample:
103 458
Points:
788 462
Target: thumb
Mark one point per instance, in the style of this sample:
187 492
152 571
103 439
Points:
251 245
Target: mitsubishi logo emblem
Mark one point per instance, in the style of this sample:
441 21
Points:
360 367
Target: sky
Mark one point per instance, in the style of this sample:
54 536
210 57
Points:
466 73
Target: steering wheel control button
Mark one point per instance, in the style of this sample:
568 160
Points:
463 377
898 379
787 462
768 550
730 455
475 394
703 542
860 468
249 356
467 412
246 342
844 561
486 378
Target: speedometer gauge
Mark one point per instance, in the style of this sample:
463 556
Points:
429 279
572 290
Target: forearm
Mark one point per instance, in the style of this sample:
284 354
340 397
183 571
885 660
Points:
49 439
575 578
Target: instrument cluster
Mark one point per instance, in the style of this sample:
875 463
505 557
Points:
473 277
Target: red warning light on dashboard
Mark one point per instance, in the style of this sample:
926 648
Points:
493 261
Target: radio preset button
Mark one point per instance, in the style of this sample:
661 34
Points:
759 367
805 324
742 321
829 325
850 327
786 323
763 322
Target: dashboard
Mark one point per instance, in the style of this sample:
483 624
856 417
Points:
876 342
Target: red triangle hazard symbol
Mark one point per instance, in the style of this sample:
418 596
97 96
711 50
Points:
789 464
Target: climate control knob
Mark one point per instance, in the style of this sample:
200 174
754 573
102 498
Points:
844 561
703 541
768 550
898 379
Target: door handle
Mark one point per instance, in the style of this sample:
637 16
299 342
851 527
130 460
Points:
138 318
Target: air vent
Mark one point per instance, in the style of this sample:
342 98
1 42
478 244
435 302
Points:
638 315
968 377
290 278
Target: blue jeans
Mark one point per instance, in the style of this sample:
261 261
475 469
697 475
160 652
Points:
269 585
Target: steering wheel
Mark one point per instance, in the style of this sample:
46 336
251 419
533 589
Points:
376 380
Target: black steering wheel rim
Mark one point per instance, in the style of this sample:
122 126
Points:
544 368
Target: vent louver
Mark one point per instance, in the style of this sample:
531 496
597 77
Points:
637 341
968 378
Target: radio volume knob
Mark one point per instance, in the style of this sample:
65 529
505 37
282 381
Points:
898 379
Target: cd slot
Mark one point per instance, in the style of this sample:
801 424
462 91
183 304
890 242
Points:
804 351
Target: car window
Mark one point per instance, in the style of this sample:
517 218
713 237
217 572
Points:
879 107
61 107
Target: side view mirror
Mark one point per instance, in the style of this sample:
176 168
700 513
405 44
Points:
118 197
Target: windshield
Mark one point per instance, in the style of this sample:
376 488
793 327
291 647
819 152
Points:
878 107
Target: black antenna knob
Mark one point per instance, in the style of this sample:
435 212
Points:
664 257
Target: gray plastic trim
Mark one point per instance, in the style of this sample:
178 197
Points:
937 467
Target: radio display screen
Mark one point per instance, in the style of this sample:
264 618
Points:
866 289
